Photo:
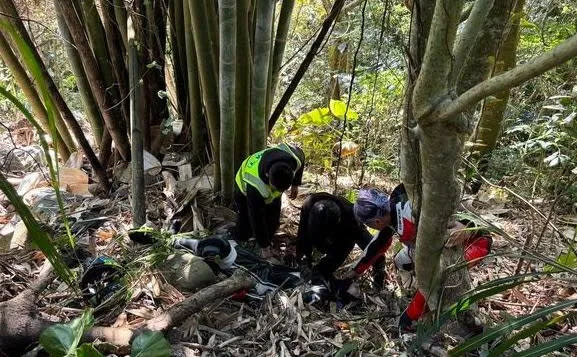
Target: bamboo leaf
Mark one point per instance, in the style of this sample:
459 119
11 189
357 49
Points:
36 71
551 346
528 332
506 328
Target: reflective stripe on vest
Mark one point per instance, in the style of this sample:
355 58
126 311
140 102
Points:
248 174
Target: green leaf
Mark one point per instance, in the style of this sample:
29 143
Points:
544 348
506 328
38 235
339 108
150 344
88 350
58 340
62 339
568 260
346 349
319 116
528 332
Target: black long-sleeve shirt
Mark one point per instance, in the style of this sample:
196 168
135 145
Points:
256 205
336 242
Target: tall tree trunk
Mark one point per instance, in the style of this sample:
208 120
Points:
98 43
440 148
19 74
226 85
90 106
116 50
121 19
282 29
262 46
156 16
48 89
109 110
178 30
243 83
488 128
196 119
137 147
208 77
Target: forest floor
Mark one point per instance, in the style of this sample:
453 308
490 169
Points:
281 325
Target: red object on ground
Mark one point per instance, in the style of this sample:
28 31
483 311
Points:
239 295
476 249
417 306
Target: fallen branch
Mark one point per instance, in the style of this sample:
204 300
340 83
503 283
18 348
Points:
177 313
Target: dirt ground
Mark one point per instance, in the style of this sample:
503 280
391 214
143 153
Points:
282 325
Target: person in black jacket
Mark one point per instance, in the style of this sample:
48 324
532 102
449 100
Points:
260 182
328 224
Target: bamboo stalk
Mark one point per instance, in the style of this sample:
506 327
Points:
279 44
262 49
121 18
227 77
137 147
110 112
19 74
208 78
154 79
178 28
243 84
194 100
98 43
90 106
116 50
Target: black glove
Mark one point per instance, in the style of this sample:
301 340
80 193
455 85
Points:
405 323
378 278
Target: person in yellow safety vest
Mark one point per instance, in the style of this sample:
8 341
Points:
260 182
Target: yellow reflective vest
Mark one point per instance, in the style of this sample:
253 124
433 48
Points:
248 174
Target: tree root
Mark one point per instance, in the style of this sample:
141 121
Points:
21 325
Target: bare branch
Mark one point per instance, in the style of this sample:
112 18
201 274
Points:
468 35
510 79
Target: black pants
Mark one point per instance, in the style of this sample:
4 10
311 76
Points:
244 229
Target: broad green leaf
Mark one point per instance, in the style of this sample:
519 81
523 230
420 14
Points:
544 348
528 332
150 344
339 108
58 340
319 116
506 328
346 349
62 339
88 350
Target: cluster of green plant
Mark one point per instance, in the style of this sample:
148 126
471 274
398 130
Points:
540 150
